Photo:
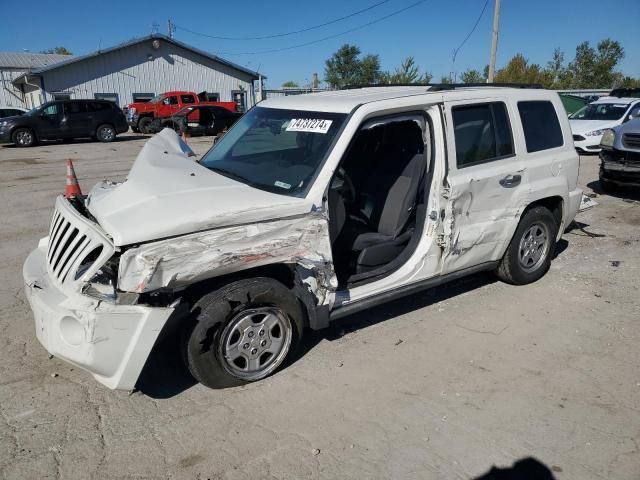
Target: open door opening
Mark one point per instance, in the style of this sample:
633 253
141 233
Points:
377 198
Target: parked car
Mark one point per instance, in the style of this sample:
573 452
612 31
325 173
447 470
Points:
625 92
310 208
65 119
590 122
620 156
197 120
140 115
572 103
12 111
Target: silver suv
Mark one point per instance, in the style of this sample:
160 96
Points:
620 156
310 208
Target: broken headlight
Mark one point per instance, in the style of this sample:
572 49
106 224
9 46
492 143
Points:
607 138
102 286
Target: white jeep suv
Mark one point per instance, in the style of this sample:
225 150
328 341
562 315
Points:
310 208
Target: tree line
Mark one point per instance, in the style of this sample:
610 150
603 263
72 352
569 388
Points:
590 68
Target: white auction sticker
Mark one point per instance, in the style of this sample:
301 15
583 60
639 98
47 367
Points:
311 125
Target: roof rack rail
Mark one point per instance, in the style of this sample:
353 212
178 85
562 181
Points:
445 86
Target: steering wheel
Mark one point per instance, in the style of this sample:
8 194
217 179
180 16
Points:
347 189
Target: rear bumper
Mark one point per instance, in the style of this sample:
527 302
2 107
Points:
575 199
112 342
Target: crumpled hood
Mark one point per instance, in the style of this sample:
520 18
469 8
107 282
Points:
168 194
580 127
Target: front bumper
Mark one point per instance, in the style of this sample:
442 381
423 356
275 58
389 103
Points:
5 136
132 120
589 144
620 167
112 342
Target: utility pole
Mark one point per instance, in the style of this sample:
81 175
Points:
170 28
494 42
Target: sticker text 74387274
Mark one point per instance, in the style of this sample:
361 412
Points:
311 125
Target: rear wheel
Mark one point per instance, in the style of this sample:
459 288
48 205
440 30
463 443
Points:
242 332
144 124
106 133
528 256
24 137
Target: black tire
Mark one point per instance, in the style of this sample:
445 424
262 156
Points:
512 269
144 123
135 129
212 327
23 137
106 133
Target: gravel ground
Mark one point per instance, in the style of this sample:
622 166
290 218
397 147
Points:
443 384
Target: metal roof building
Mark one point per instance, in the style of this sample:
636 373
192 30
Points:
136 71
13 65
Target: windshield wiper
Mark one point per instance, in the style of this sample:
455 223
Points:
232 175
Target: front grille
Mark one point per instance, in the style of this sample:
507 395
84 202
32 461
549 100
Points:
74 240
631 140
578 138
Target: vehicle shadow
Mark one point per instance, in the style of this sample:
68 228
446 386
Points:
81 141
524 469
165 376
625 193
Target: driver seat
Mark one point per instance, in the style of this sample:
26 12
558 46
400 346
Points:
383 227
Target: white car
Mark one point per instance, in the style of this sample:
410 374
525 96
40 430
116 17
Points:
310 208
591 121
11 111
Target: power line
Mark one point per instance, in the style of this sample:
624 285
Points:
475 25
360 27
285 34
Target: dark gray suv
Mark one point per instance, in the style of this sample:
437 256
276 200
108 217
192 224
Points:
64 119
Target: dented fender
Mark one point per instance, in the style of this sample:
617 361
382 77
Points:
182 261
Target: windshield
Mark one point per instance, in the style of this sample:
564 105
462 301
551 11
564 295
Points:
155 99
601 111
34 110
275 150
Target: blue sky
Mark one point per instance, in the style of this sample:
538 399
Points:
429 31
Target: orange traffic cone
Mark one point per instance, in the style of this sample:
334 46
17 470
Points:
72 189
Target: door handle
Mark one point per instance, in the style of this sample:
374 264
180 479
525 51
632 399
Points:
511 181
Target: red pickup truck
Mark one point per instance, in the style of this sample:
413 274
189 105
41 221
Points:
141 114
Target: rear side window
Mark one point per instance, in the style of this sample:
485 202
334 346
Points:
482 133
187 99
541 126
74 108
98 106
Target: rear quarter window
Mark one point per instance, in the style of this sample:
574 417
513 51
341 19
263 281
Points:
540 124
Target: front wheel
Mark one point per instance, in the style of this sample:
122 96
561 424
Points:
24 137
528 256
144 125
242 332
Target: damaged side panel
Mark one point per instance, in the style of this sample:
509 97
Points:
181 261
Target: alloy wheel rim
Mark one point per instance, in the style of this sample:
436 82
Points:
24 137
533 247
255 342
107 133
